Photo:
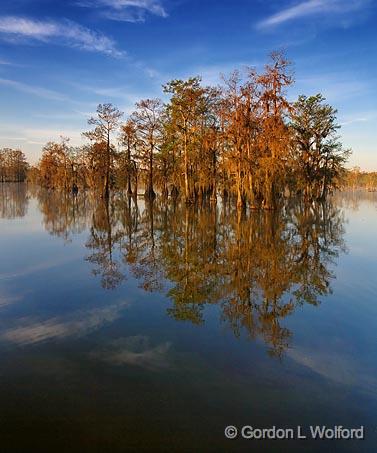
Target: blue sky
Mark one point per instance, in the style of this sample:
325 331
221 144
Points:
59 59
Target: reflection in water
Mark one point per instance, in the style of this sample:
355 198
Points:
13 200
79 323
258 267
351 199
63 214
105 236
136 351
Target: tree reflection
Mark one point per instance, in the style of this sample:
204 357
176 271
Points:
104 239
64 214
257 266
14 200
276 262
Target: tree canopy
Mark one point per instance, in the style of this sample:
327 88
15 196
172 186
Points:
243 139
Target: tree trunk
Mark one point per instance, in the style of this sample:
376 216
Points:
129 188
149 192
214 179
186 163
108 164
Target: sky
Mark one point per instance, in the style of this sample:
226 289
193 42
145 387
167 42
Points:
60 58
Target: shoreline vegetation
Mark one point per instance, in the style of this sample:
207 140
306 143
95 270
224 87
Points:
243 140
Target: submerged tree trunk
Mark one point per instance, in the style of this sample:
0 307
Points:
269 198
136 183
186 170
129 171
107 170
149 191
239 189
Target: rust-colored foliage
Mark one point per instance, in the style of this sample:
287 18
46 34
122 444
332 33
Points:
13 165
242 140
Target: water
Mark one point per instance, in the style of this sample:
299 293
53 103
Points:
126 327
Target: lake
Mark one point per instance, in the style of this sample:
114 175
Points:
126 326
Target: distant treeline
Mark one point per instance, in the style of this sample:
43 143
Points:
243 139
357 179
13 165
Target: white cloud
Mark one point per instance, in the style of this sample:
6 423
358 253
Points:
117 92
42 136
311 8
359 117
136 351
31 331
34 90
6 300
66 32
336 86
30 269
213 74
48 94
126 10
336 365
16 139
31 139
353 121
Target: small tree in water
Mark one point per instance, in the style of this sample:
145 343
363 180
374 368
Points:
105 123
147 119
318 155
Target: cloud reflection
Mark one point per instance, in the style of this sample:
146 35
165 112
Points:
136 351
80 323
342 367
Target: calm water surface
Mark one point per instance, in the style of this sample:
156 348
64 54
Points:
130 327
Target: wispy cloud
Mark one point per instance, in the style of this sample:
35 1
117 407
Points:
15 139
6 300
118 93
29 330
34 90
41 136
335 86
214 74
353 121
337 366
311 8
126 10
66 32
19 135
136 351
31 269
45 93
359 117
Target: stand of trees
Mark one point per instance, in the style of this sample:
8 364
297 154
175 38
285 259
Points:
243 140
357 179
13 165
